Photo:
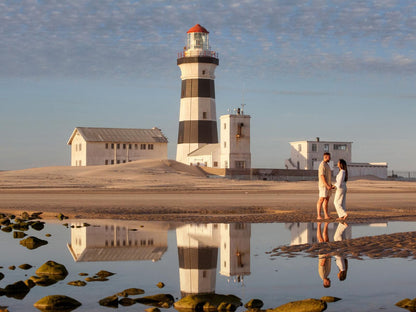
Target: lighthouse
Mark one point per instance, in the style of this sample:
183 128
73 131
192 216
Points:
197 114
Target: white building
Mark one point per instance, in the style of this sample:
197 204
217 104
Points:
108 146
307 155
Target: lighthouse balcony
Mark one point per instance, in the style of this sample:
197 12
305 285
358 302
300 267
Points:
193 53
198 56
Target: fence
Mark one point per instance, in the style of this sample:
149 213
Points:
402 175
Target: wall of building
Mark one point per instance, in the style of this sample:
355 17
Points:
98 153
78 151
235 141
368 169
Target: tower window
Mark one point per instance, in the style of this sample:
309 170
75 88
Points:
204 115
225 144
225 126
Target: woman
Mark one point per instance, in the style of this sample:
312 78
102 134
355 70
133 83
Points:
341 192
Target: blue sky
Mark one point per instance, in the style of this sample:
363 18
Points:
338 70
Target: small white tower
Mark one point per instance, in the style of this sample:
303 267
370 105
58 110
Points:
235 141
197 117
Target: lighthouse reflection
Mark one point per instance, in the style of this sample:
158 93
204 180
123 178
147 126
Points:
199 246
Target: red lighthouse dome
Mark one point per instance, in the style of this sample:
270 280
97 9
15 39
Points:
197 29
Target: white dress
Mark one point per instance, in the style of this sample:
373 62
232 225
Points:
340 194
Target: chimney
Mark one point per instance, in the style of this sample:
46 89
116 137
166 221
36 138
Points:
317 139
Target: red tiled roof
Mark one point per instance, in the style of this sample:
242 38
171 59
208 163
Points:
197 28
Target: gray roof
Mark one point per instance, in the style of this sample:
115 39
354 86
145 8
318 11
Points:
120 135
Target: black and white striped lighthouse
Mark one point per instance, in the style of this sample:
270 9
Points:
197 117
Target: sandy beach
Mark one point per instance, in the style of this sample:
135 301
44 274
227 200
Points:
167 190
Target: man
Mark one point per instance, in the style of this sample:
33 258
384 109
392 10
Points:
325 186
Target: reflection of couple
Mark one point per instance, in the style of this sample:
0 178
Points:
324 267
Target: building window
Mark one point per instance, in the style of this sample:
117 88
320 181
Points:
106 145
129 146
142 242
299 147
150 242
341 147
150 146
106 161
225 144
124 146
326 148
203 72
225 164
240 164
225 126
112 145
215 163
142 146
112 161
136 146
314 149
204 115
204 274
118 145
80 147
118 161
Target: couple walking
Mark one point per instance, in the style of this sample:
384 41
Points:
325 188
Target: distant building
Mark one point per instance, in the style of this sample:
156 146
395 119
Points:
307 155
109 146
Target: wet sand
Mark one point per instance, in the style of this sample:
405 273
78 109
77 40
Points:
166 190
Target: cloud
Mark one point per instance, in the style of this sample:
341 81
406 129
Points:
136 38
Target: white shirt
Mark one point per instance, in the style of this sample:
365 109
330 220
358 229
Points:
341 179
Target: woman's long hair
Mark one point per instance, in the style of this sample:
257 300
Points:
343 165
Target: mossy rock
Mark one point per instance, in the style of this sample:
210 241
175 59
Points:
61 216
48 235
96 279
126 302
160 300
130 292
18 290
29 283
330 299
52 268
38 226
160 285
196 302
44 280
83 274
24 216
1 276
77 283
111 301
25 266
20 226
254 304
57 303
408 304
226 307
5 221
18 234
152 309
6 229
307 305
35 215
33 242
12 267
103 273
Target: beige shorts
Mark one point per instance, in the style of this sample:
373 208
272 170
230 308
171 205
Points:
324 192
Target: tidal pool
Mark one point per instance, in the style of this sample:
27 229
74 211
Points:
198 258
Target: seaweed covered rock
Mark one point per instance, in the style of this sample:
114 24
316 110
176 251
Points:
57 303
103 273
96 279
44 280
130 292
7 229
22 226
330 299
126 302
38 226
161 300
1 276
408 304
77 283
19 234
32 242
111 301
152 309
307 305
5 221
25 266
197 302
254 304
29 283
17 290
160 285
52 268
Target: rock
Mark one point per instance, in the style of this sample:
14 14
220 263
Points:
61 216
57 303
111 301
83 274
38 226
20 226
18 290
126 302
1 276
52 268
43 281
6 229
103 273
77 283
96 279
48 235
228 307
29 283
24 216
407 304
25 266
4 309
153 309
35 215
5 221
33 242
130 292
161 300
160 285
307 305
254 304
12 267
330 299
196 302
18 234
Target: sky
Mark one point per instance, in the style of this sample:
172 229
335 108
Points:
338 70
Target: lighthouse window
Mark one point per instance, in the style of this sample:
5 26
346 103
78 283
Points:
203 72
225 126
204 115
